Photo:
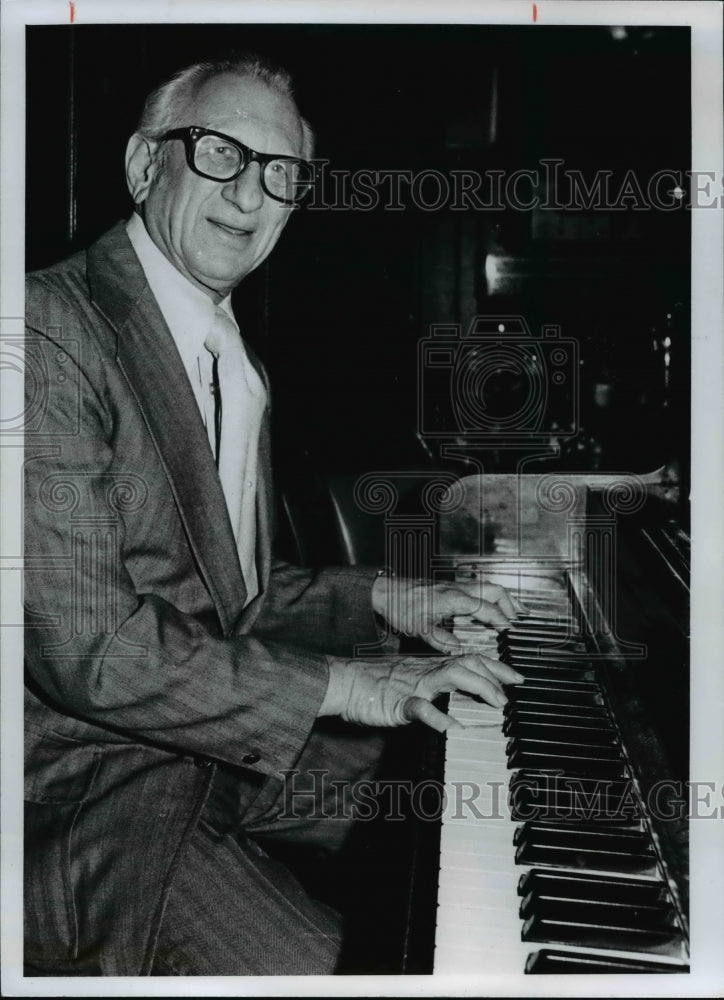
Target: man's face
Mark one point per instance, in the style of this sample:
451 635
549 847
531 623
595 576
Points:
214 232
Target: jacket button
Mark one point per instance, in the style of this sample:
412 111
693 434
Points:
202 762
251 758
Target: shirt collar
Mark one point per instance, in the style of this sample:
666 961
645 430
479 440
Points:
188 311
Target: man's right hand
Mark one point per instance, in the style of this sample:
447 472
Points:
397 690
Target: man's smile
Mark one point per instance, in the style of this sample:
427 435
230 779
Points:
233 231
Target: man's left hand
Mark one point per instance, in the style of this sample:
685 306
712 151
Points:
416 608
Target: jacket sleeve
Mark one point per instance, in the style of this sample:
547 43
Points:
96 648
326 610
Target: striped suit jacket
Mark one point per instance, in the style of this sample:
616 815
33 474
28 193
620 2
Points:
145 674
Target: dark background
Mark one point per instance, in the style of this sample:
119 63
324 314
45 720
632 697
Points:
339 308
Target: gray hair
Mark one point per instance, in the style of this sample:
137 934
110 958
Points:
165 105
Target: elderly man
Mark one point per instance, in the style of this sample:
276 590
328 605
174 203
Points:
175 669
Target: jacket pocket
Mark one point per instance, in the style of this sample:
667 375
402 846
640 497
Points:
59 775
58 769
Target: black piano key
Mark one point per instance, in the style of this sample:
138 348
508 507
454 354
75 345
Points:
557 805
546 672
544 636
534 600
611 888
543 621
555 612
572 763
536 614
558 846
568 809
567 782
587 838
597 718
537 581
542 682
546 626
555 732
597 912
531 685
540 646
551 679
660 941
539 637
574 856
556 797
534 694
549 962
587 751
551 660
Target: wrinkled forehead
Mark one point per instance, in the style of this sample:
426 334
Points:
247 109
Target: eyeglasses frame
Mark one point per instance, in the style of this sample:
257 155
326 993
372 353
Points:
190 135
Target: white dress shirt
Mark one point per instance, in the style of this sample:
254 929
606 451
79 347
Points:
189 313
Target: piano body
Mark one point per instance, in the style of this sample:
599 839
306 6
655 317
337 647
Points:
563 841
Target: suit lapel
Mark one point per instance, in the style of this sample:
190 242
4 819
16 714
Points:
149 360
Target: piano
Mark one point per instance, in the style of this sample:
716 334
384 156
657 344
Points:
563 837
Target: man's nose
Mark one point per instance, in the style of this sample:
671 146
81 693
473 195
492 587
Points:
245 191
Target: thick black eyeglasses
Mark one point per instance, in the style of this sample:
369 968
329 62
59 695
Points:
221 158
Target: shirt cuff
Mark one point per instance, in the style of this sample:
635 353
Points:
339 687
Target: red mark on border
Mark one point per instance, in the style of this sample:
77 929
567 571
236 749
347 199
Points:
535 12
72 10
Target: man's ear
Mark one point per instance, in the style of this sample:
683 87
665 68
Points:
141 166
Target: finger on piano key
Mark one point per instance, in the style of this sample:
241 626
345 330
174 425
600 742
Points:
535 670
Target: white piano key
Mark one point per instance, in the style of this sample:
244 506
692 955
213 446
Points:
467 841
461 962
495 915
490 900
481 882
454 930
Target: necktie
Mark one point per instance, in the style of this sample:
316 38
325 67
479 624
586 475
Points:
238 414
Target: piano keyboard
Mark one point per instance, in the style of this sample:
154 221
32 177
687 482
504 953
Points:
547 862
